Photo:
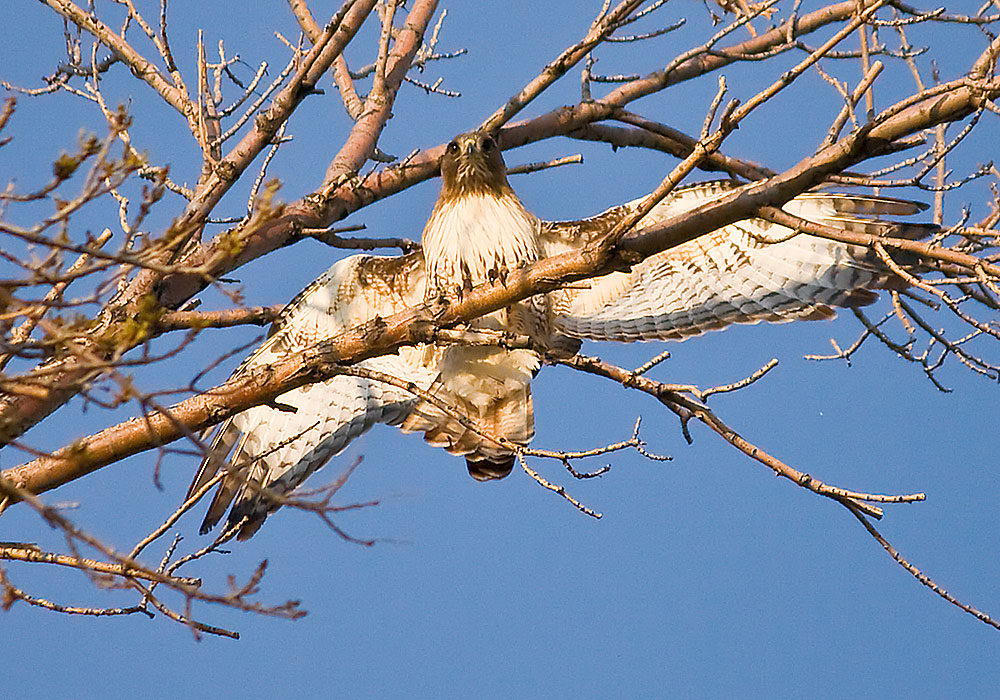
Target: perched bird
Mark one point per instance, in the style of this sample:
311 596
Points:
478 232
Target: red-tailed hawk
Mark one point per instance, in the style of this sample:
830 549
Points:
479 231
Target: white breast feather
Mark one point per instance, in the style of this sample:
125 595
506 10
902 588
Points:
480 234
471 240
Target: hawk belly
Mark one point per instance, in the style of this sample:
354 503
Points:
470 240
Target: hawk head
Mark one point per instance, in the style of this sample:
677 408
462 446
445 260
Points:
472 164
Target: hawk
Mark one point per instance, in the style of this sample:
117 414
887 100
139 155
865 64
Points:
478 232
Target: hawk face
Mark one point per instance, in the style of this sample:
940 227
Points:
472 164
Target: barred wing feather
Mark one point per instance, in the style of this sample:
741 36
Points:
277 447
747 272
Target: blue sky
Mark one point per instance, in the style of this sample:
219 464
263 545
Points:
707 577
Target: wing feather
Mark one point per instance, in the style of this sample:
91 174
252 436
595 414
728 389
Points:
277 447
748 272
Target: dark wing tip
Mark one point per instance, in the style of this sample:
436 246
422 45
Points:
248 514
872 204
250 527
913 232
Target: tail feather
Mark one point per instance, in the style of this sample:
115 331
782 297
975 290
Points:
489 469
510 417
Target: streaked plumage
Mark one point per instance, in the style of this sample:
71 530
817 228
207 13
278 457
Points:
479 231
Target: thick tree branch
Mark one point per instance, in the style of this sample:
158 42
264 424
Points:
385 335
18 413
952 102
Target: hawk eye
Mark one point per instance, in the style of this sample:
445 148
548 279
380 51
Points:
488 144
453 147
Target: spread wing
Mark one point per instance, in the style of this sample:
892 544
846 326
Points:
747 272
278 447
